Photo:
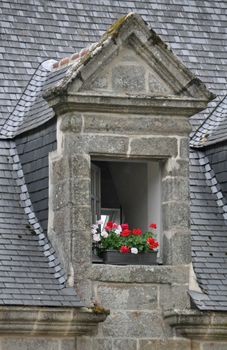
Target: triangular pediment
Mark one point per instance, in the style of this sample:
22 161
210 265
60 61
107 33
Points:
131 61
128 74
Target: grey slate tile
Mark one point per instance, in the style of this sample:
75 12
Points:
55 34
20 244
209 256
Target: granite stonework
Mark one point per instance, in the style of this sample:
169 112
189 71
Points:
115 113
44 328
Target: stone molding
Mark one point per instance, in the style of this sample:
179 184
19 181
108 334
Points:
147 105
32 321
198 325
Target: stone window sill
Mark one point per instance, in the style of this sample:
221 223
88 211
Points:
140 273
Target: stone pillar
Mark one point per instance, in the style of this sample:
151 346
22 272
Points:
175 207
70 219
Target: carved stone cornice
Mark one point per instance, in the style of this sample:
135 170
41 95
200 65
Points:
146 105
33 321
202 325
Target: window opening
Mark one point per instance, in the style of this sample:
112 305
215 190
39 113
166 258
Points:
126 191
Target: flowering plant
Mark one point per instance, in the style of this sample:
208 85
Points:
123 239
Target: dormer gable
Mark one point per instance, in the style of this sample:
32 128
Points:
130 61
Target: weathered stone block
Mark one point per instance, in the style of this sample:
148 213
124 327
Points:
102 344
60 169
71 191
175 189
177 248
96 144
84 343
156 86
181 249
170 344
184 148
61 194
134 324
128 124
83 286
67 344
29 344
128 78
174 297
100 82
81 247
140 274
80 166
175 214
176 167
129 297
214 346
154 147
71 122
80 192
124 344
81 218
196 345
62 220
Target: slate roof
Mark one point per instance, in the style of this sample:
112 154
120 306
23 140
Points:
214 127
36 31
30 273
33 31
208 227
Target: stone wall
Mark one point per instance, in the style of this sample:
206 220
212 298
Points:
138 297
39 343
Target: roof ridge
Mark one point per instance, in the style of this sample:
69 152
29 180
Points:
75 57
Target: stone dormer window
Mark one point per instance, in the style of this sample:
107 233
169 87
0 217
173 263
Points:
123 107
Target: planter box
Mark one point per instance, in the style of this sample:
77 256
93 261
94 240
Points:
114 257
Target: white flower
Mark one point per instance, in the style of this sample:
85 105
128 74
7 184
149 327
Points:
93 231
94 226
134 250
119 228
96 237
117 231
99 222
104 234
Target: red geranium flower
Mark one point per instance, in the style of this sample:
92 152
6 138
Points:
150 240
125 232
137 231
115 225
153 246
124 249
153 225
109 225
124 226
152 243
